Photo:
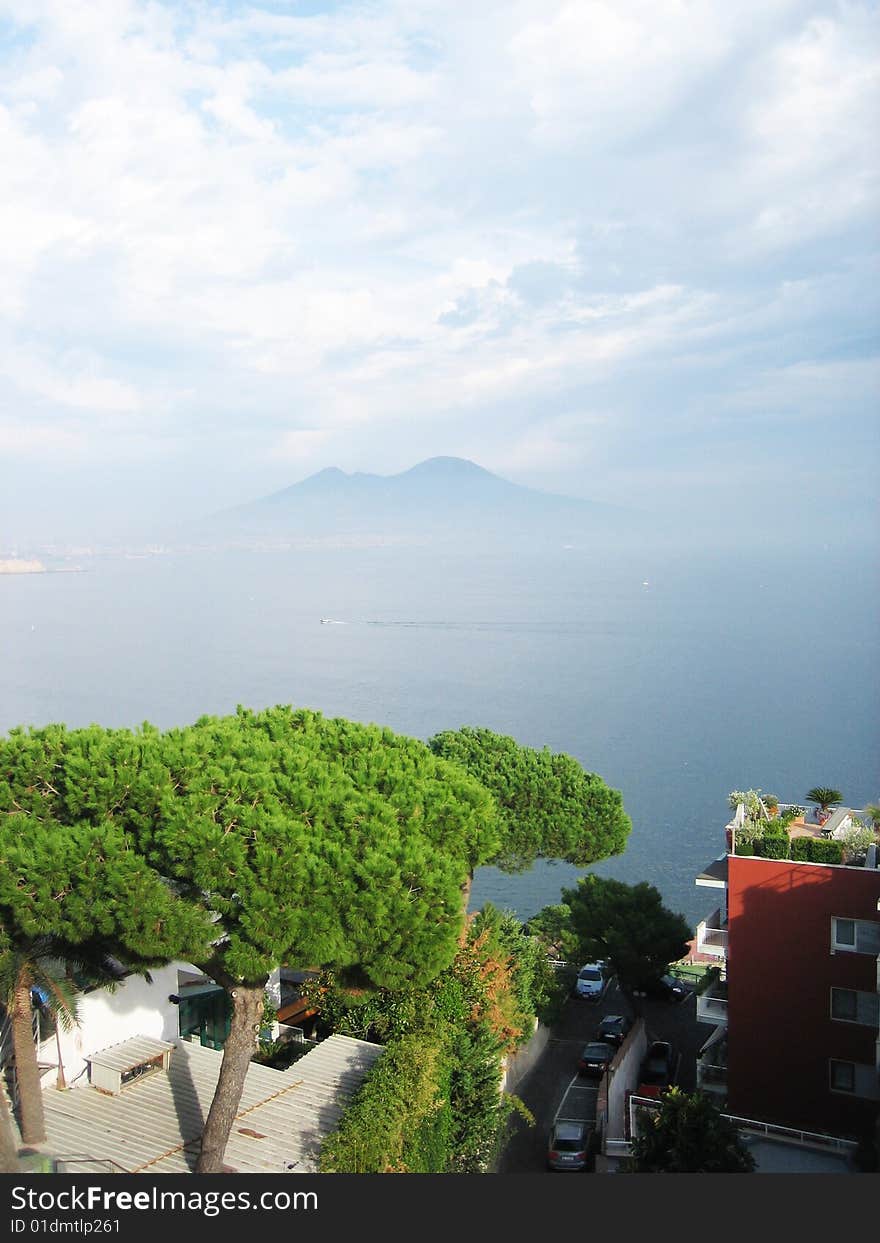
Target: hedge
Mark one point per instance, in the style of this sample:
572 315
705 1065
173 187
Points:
816 850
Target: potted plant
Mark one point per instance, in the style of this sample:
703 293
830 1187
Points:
771 802
825 797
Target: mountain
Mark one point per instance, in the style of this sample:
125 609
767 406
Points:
444 499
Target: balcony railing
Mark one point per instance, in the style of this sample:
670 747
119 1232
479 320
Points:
712 1005
805 1139
712 935
712 1078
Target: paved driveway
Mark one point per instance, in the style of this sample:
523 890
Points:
544 1087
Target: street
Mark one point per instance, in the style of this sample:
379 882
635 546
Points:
544 1087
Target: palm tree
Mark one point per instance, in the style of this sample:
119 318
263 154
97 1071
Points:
40 974
26 972
8 1149
825 796
873 810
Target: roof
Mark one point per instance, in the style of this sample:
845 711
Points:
715 875
130 1053
155 1124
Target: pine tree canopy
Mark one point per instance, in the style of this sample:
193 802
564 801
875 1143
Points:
550 808
67 868
316 841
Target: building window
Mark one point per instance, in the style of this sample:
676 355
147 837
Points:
850 1006
843 1076
859 936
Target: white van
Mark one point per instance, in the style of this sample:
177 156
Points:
590 983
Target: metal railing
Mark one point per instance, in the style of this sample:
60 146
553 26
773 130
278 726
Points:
711 1009
805 1139
808 1139
712 935
709 1073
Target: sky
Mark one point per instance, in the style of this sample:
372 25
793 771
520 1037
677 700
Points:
618 249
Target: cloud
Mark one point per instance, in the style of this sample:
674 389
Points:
510 230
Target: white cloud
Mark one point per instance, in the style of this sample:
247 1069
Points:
410 214
75 379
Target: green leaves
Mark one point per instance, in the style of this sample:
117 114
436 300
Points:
317 841
549 807
825 796
628 926
688 1135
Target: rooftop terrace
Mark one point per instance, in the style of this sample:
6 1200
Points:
842 835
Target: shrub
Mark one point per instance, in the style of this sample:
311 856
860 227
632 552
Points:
772 846
816 850
857 839
433 1101
398 1119
788 816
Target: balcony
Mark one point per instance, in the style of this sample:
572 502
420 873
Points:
712 935
712 1005
712 1079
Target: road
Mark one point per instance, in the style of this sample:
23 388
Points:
545 1086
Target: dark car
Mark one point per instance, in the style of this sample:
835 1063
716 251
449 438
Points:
668 988
571 1145
614 1029
596 1057
658 1065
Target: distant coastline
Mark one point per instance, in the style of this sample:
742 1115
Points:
18 565
14 565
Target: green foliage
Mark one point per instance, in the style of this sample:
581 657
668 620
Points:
478 1108
825 796
688 1135
549 806
314 840
873 811
787 817
628 926
477 1009
552 925
399 1116
752 803
534 985
856 840
816 850
770 846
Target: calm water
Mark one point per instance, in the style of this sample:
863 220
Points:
676 679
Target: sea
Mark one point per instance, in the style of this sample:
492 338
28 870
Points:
676 676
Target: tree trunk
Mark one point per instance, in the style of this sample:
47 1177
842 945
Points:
8 1149
465 903
241 1043
27 1071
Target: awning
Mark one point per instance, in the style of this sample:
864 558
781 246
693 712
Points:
717 1036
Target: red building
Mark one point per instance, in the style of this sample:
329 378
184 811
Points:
796 1012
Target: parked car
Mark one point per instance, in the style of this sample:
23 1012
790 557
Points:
590 982
571 1145
668 988
658 1065
614 1029
596 1057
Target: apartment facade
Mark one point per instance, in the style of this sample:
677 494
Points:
796 1013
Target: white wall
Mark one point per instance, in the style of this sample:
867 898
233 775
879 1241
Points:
135 1008
625 1078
